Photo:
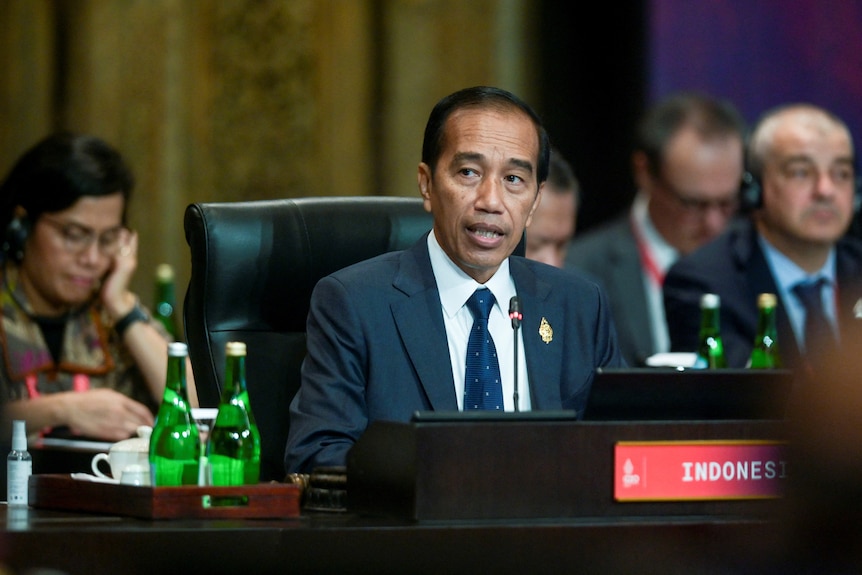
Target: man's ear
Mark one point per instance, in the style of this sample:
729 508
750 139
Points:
423 178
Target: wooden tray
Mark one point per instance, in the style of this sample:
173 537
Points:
265 500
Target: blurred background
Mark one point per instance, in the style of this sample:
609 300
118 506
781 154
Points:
225 100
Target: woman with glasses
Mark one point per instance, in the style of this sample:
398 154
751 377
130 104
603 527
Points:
80 353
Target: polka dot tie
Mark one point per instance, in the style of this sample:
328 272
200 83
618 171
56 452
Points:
482 383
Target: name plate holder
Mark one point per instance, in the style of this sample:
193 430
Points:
699 470
530 469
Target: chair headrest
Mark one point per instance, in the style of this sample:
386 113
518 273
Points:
255 263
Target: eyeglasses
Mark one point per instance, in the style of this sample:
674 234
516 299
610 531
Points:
725 207
695 206
77 238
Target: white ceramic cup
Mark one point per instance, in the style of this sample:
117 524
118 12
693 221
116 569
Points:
134 451
135 474
118 460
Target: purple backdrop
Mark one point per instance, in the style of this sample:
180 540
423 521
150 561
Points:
761 53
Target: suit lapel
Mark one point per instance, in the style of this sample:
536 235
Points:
626 272
419 321
544 360
848 271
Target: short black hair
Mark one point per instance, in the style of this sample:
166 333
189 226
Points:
480 97
561 176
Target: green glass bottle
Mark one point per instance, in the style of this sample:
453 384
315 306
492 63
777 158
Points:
710 352
233 446
175 446
164 304
765 354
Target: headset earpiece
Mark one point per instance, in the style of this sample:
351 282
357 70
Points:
16 236
750 192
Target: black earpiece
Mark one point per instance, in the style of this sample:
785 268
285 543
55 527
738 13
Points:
750 192
16 236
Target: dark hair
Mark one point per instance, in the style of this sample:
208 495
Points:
480 97
710 117
561 176
58 171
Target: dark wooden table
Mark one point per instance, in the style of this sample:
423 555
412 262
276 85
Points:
76 543
664 538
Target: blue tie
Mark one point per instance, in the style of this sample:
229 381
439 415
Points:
819 337
483 388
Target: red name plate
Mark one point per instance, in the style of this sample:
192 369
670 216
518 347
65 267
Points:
698 470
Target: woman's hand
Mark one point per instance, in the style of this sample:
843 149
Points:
115 294
105 414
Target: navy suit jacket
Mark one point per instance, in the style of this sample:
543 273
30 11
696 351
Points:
734 267
377 349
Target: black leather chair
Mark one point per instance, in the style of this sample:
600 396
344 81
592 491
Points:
254 265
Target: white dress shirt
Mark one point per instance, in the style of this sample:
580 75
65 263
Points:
455 288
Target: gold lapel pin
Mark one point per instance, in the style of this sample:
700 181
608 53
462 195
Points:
546 331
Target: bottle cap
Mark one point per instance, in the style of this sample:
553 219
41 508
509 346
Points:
709 301
235 348
165 273
767 300
19 435
177 349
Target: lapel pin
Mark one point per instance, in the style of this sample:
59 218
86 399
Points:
546 331
857 309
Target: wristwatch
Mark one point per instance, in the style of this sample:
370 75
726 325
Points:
137 314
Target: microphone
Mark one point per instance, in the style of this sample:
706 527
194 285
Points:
516 316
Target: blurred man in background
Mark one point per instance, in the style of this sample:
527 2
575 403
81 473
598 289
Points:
554 221
688 165
801 194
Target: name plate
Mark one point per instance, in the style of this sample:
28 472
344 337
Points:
698 470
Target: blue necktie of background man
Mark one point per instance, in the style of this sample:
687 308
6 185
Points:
819 336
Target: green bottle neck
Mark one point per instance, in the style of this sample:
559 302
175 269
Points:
709 322
766 323
165 292
164 308
234 376
176 377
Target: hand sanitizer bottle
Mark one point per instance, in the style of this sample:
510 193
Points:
19 466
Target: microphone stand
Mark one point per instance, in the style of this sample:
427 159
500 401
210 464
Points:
516 317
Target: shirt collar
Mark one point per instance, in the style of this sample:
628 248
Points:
662 252
787 274
456 287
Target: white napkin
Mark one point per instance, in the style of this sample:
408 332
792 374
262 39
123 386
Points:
672 359
94 478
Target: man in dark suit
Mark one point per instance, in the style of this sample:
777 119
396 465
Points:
687 163
801 196
389 336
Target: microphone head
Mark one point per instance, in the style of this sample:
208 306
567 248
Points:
515 312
